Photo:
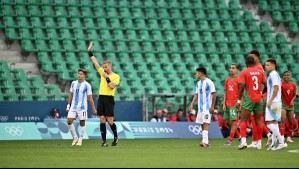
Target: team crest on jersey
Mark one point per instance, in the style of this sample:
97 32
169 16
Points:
231 87
288 92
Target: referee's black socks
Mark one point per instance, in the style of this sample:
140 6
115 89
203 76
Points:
103 131
114 130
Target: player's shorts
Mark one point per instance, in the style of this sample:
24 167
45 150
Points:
81 114
274 113
230 113
288 109
203 117
249 105
106 106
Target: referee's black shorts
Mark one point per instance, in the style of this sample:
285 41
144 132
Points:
106 106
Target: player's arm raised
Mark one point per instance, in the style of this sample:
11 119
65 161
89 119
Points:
92 58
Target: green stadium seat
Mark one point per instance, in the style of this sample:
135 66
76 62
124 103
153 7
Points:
268 37
162 57
228 26
11 33
251 26
160 47
274 5
233 4
256 37
295 49
280 38
241 27
272 48
227 59
284 49
60 11
293 28
277 17
38 33
224 15
220 37
247 16
194 36
53 34
236 48
163 13
36 22
199 13
28 46
247 47
261 48
140 23
232 37
150 58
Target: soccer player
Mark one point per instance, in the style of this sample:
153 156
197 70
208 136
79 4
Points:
105 109
274 105
231 90
252 79
205 93
77 105
288 90
261 128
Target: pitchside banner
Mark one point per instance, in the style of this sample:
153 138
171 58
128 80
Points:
58 129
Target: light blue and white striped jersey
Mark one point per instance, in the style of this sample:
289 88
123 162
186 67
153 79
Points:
204 89
80 92
273 80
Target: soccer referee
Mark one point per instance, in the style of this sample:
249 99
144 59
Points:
105 109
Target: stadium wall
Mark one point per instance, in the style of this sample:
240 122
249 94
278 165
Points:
52 129
37 111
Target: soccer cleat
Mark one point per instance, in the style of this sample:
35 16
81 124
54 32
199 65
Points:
281 146
290 140
258 146
202 144
79 143
74 142
252 145
228 143
104 144
115 141
242 146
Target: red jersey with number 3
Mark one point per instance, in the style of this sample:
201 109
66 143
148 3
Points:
231 86
288 92
252 77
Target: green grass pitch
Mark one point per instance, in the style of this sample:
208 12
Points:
146 153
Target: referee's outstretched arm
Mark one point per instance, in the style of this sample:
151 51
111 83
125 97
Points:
92 58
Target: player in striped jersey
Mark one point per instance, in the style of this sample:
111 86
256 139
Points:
205 93
77 106
274 105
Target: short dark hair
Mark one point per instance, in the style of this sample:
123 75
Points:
286 72
202 69
249 60
271 60
256 52
237 66
82 70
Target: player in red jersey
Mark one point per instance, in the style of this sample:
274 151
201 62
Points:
288 90
251 79
231 91
256 138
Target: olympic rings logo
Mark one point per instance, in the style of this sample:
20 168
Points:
195 129
14 131
3 118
